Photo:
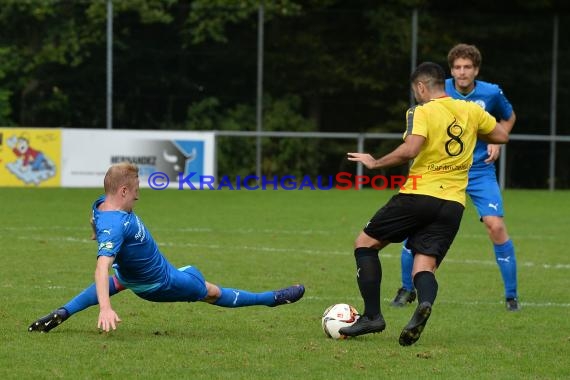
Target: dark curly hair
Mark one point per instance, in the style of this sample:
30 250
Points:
464 51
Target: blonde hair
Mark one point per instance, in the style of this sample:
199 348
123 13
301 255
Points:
464 51
122 174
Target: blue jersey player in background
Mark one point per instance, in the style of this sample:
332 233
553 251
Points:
126 246
483 189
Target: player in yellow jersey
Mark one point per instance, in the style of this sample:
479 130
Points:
440 136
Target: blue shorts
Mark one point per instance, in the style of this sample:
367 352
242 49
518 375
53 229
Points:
484 191
187 284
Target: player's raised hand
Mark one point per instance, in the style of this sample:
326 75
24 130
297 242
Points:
365 158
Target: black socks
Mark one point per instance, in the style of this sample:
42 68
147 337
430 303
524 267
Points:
426 286
369 277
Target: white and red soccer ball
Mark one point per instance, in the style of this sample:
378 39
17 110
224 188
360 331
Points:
338 316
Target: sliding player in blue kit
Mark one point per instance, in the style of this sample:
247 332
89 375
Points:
126 245
464 62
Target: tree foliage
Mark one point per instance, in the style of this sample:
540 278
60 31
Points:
337 65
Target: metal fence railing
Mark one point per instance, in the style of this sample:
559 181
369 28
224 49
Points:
360 140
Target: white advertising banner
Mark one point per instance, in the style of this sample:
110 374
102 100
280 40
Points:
87 154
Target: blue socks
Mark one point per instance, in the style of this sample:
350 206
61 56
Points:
88 298
407 264
505 256
238 298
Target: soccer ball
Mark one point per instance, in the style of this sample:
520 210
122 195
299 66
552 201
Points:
336 317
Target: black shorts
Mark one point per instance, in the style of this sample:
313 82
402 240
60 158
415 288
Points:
430 224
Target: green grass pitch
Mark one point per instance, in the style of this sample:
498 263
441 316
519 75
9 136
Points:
262 240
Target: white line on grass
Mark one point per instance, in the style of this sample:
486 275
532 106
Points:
448 259
475 303
353 299
247 231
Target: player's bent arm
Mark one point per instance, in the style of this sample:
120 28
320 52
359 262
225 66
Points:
508 124
404 153
498 135
494 150
399 156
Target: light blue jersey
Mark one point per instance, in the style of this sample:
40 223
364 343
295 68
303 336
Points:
491 98
138 265
483 188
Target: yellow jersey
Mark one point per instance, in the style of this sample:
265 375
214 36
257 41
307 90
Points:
450 127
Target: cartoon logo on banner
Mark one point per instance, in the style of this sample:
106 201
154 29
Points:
192 158
27 157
